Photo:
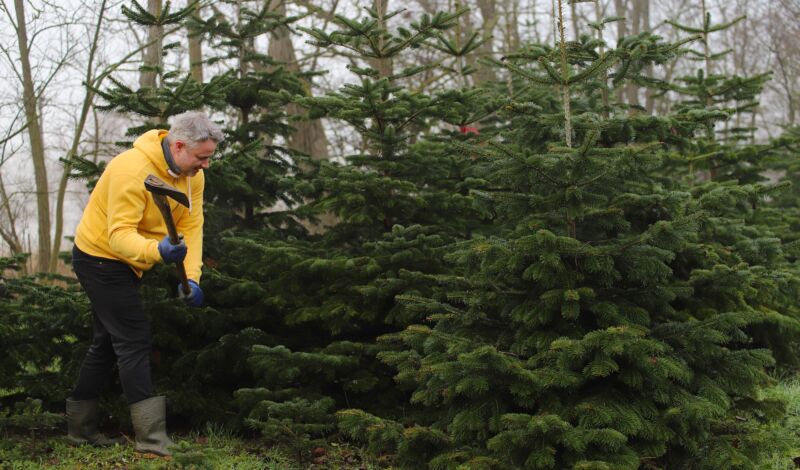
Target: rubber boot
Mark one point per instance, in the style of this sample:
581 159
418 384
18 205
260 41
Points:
82 419
149 418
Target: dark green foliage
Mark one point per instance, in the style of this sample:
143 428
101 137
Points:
139 15
487 300
44 330
395 204
729 176
177 94
785 218
251 172
84 169
43 322
612 325
175 91
191 457
29 416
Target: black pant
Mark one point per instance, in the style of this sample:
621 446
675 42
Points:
121 330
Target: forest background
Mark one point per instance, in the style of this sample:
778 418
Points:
506 234
65 52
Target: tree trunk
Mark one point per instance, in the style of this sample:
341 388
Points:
309 136
36 141
152 59
488 9
384 65
598 14
632 90
566 98
10 235
785 84
196 48
512 24
650 100
621 7
573 11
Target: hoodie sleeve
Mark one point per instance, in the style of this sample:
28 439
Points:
190 225
126 204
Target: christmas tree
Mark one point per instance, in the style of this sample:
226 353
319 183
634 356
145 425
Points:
601 330
729 174
44 328
396 203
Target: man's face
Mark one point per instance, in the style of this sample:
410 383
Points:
191 159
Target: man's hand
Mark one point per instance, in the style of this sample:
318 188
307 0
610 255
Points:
172 253
195 297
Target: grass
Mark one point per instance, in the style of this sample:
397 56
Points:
212 449
216 448
789 391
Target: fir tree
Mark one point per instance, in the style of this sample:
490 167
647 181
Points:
719 150
396 204
600 330
785 218
728 176
44 327
250 175
174 92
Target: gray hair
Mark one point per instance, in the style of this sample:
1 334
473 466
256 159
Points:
194 127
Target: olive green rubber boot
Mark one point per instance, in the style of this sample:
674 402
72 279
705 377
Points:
149 418
82 419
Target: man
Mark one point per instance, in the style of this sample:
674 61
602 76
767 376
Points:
121 235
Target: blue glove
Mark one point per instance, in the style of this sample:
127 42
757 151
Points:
195 297
172 253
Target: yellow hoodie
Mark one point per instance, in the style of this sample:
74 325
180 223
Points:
122 221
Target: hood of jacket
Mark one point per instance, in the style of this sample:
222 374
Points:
149 144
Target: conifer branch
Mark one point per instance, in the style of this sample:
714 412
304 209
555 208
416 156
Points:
538 171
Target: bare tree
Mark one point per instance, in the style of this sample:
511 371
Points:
35 137
513 25
9 208
488 9
79 59
309 136
784 20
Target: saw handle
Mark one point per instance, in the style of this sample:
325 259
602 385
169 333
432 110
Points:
166 212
